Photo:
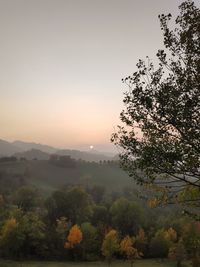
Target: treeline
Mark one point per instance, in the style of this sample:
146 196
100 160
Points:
78 223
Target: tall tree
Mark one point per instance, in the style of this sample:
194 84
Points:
160 139
127 248
110 245
74 238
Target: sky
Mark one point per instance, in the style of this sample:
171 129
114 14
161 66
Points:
61 65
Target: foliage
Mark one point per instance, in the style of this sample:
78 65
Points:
110 245
177 252
22 235
74 238
191 240
26 198
171 235
127 248
74 204
126 216
161 138
159 245
90 243
141 241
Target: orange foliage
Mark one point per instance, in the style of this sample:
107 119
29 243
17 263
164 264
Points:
126 247
153 202
141 235
75 237
171 235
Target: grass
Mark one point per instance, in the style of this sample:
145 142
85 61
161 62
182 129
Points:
141 263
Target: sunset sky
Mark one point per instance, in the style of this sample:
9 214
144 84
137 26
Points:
61 64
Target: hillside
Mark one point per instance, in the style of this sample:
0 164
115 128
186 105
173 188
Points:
84 155
27 150
33 154
25 146
48 177
8 149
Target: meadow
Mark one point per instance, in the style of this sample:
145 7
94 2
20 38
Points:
140 263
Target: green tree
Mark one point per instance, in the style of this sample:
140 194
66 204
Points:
74 204
26 198
126 215
23 235
161 134
90 244
100 215
11 239
191 240
159 245
110 245
178 252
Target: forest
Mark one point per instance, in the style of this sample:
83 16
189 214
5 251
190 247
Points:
88 222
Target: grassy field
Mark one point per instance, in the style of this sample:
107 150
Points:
142 263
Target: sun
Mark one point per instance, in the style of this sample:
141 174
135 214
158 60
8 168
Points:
91 146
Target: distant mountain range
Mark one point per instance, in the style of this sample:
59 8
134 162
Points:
31 151
8 149
24 146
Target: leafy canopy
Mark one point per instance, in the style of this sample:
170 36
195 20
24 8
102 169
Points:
160 139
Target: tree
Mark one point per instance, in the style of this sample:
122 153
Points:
126 216
10 238
26 198
191 240
141 241
90 244
171 235
177 252
62 228
74 238
97 192
159 245
110 245
75 204
23 235
127 248
160 139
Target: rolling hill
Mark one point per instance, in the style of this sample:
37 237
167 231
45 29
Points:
48 177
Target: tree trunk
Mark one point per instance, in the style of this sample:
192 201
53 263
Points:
178 263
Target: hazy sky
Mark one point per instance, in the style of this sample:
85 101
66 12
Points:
61 64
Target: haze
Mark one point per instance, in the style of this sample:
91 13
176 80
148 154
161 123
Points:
61 64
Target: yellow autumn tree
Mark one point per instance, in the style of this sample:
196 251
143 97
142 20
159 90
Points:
171 235
74 238
127 248
141 241
110 245
8 228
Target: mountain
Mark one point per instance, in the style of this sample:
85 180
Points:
24 146
8 149
28 150
33 154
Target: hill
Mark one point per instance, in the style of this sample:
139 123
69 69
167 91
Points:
40 151
84 155
8 149
24 146
49 177
33 154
